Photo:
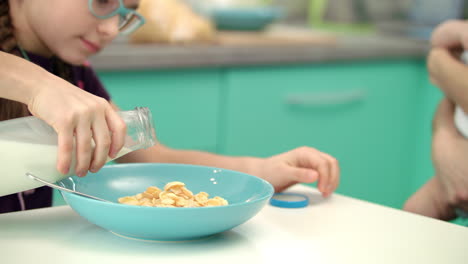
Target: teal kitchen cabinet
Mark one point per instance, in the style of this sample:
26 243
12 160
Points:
424 169
363 113
373 116
184 103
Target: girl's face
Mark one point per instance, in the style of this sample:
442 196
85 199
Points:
68 29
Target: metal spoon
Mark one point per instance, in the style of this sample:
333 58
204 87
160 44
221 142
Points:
55 186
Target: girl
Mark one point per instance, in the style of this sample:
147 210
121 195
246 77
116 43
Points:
57 36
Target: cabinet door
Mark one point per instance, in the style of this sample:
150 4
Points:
184 103
361 113
432 97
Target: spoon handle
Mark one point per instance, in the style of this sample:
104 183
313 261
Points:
55 186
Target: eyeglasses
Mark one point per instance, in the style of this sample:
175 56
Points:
129 20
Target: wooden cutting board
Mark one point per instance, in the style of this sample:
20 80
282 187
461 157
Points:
275 36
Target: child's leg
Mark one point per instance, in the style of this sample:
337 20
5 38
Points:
430 201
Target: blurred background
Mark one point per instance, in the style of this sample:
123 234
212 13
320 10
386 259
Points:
261 77
413 17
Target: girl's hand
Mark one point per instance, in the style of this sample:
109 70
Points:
78 117
301 165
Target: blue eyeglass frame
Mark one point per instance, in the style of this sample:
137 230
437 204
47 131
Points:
122 11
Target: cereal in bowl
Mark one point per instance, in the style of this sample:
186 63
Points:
175 194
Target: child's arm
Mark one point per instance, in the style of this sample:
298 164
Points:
72 112
439 197
449 155
430 201
301 165
18 78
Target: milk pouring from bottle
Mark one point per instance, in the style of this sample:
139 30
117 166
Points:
28 144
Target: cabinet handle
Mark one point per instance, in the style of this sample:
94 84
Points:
323 99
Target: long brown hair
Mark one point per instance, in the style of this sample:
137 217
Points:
11 109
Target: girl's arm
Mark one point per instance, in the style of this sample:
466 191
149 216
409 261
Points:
164 154
301 165
19 78
76 115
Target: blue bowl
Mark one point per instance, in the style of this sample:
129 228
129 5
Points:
246 195
247 19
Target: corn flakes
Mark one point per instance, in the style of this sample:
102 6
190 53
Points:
175 194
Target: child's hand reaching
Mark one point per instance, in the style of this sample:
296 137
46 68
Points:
73 112
301 165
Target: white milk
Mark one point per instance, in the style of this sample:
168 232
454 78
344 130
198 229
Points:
17 158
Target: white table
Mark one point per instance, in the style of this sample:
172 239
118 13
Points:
336 230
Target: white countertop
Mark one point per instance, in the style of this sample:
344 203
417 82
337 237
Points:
336 230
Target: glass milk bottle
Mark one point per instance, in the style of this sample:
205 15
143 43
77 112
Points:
28 144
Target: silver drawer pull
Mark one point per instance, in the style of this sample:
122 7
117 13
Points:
322 99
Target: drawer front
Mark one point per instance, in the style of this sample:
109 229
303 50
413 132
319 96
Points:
362 113
184 103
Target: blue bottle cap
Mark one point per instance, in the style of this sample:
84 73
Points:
289 200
